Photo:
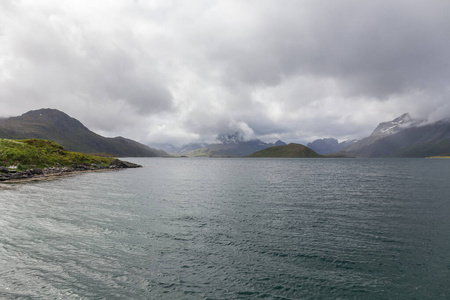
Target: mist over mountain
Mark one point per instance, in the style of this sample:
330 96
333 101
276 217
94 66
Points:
404 137
233 144
227 138
225 145
55 125
392 127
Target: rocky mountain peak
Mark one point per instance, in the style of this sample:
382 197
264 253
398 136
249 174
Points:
405 118
394 126
226 139
279 143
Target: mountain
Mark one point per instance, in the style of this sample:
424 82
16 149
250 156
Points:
329 145
52 124
291 150
383 129
226 145
392 127
404 139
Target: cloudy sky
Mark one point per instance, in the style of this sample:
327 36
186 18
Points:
183 71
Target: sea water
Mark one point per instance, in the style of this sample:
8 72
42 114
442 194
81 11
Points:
231 229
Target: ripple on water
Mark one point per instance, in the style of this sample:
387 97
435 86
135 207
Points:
231 229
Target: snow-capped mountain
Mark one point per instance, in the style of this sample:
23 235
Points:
404 137
394 126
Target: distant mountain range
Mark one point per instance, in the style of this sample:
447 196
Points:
225 145
329 145
52 124
403 137
232 145
182 150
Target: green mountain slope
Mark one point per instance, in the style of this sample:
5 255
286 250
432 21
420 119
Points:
291 150
52 124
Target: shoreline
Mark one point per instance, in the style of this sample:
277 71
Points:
51 176
12 176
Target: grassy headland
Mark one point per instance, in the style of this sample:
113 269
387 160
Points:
36 153
30 158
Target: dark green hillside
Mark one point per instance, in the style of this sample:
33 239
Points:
420 141
291 150
52 124
25 154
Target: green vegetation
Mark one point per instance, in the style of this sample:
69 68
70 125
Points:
36 153
291 150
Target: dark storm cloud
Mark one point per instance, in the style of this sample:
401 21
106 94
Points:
187 70
373 49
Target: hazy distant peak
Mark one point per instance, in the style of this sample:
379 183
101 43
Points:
279 143
329 145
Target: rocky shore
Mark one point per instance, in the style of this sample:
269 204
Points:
7 174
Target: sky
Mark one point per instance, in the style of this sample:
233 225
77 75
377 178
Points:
170 71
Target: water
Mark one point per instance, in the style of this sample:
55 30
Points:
232 229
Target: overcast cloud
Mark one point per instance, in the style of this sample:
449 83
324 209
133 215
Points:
183 71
